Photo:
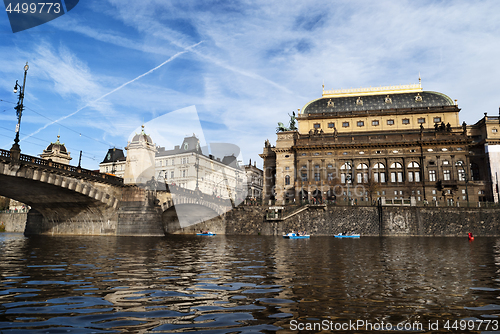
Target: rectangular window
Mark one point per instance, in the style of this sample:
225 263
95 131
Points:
393 176
375 177
330 176
382 177
447 175
316 176
172 174
406 121
317 126
375 123
410 177
421 120
304 177
432 175
390 122
400 176
417 178
434 191
331 125
184 173
345 124
342 178
360 177
437 119
461 175
361 123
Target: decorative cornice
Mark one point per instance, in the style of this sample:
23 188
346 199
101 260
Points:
398 89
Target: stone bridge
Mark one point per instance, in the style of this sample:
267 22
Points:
71 200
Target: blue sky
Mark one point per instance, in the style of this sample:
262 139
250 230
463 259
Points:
244 65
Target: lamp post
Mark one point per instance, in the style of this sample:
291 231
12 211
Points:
16 149
466 181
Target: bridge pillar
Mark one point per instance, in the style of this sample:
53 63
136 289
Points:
138 215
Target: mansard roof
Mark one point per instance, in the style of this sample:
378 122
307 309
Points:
376 98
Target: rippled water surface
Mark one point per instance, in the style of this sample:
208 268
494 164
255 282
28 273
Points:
243 284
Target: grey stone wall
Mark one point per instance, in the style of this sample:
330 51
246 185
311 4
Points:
14 222
370 221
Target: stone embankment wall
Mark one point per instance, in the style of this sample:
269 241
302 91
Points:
13 222
367 221
370 221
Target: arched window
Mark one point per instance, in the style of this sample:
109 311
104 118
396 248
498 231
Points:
396 165
396 174
345 174
287 180
362 173
346 165
379 172
413 172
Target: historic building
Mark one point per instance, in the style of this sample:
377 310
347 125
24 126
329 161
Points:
399 144
185 165
57 152
255 181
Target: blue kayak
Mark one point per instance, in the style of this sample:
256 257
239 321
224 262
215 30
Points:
295 236
340 235
207 234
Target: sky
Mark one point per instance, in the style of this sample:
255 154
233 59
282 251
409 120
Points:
103 69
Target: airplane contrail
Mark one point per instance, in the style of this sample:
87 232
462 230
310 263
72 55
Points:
114 90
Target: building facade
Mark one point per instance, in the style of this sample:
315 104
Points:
399 144
255 181
185 165
57 152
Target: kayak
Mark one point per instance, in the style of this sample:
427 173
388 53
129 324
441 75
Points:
340 235
207 234
295 236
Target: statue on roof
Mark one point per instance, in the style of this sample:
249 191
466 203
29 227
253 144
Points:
448 127
292 121
464 127
281 127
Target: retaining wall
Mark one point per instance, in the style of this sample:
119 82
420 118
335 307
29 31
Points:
14 222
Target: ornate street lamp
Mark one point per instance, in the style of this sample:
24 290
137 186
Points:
16 149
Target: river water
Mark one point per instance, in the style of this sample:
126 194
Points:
248 284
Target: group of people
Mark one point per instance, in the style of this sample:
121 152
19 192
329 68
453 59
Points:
299 233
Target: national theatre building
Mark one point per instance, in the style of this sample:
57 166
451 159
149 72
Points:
399 144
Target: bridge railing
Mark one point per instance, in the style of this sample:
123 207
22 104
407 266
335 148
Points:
28 159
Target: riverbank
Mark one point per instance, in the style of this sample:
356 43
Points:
328 221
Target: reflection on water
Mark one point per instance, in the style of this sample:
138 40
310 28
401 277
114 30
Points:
247 284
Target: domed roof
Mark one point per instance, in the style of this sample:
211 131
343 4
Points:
142 137
57 146
378 98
